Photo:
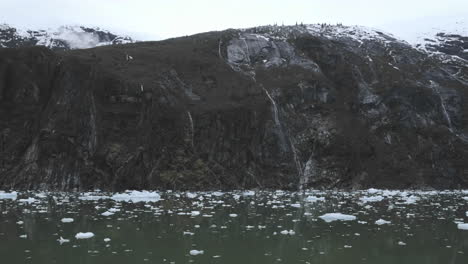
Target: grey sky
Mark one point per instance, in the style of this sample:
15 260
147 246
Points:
151 19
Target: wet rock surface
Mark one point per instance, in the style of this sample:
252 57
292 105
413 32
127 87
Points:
268 107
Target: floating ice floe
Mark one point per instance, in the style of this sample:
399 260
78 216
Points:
85 235
195 213
20 222
136 196
248 193
401 243
8 195
410 199
462 226
232 215
195 252
107 239
371 199
296 205
191 195
382 222
286 232
330 217
67 220
29 200
313 199
107 213
62 240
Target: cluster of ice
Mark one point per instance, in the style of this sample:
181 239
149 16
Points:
313 199
371 199
136 196
330 217
288 232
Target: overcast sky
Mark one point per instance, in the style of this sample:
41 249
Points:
157 19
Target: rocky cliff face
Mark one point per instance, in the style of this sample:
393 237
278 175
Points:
268 107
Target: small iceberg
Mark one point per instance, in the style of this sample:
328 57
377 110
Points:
462 226
85 235
313 199
8 195
382 222
286 232
62 240
337 217
107 213
195 252
67 220
371 199
136 196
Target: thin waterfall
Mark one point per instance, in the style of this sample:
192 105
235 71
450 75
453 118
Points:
442 104
283 141
279 128
248 50
220 42
191 127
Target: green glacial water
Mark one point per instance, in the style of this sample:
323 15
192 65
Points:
372 226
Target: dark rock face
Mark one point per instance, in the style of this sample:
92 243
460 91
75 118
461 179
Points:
450 44
64 38
269 107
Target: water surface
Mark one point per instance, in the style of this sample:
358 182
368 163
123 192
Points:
235 227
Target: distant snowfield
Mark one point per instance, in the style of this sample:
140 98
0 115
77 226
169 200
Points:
418 31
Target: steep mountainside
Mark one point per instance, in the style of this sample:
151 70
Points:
268 107
63 38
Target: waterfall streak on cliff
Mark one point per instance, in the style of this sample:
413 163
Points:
191 127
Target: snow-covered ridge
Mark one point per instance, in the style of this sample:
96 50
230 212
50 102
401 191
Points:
339 31
64 37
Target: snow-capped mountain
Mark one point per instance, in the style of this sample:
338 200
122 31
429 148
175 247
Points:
439 35
64 37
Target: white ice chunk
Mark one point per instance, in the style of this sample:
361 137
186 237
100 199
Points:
67 220
313 199
286 232
330 217
191 195
8 195
195 252
248 193
195 213
382 222
62 240
372 199
107 213
85 235
29 200
462 226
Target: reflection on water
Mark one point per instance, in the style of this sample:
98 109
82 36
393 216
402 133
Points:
236 227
